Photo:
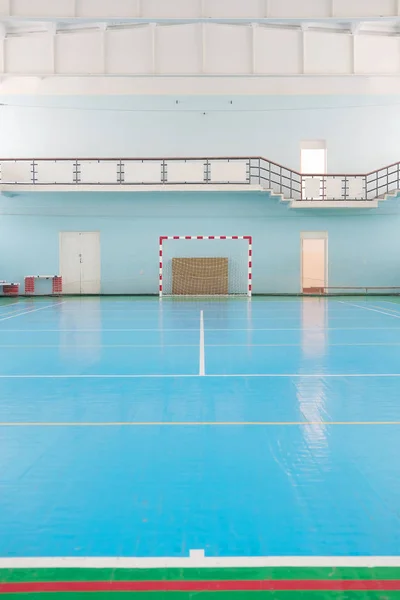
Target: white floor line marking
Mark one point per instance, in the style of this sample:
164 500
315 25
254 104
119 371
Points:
16 308
178 376
151 319
27 312
371 309
197 562
390 302
11 307
17 424
202 363
100 345
194 330
385 308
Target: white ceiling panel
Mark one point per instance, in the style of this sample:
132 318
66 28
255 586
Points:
228 49
40 8
79 53
292 9
364 8
4 7
29 54
377 54
327 52
178 49
234 9
130 50
107 8
277 51
175 9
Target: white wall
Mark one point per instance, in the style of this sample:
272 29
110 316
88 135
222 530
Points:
361 133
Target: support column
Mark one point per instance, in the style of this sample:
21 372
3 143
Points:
254 29
3 34
203 47
354 30
304 29
103 28
153 27
52 29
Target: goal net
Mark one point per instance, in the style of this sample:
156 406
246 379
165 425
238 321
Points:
205 265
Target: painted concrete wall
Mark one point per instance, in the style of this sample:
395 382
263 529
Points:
361 132
364 245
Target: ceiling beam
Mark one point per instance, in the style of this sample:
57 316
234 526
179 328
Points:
198 86
2 48
15 21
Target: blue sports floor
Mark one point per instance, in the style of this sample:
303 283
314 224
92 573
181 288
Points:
112 443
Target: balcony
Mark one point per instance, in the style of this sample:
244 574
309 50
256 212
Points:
226 174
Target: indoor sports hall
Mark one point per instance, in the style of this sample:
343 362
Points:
199 299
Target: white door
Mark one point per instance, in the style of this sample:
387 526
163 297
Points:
313 265
80 262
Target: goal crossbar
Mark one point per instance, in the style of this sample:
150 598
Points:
247 238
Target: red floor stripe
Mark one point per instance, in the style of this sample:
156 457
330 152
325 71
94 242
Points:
199 586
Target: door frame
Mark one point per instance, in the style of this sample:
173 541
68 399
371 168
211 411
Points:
314 235
60 235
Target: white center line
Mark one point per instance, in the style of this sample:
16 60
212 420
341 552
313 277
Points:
202 363
31 311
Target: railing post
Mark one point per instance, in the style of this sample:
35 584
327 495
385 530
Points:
387 179
33 171
259 171
164 171
207 171
398 176
76 172
249 171
120 172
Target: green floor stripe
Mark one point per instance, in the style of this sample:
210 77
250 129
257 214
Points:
340 573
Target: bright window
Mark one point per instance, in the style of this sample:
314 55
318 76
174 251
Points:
313 157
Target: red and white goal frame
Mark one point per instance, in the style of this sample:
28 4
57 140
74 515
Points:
249 239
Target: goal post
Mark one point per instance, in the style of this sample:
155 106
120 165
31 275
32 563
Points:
205 265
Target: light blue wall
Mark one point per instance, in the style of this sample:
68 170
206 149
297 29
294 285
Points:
362 132
364 245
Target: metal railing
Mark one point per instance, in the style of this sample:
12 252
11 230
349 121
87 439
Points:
199 171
